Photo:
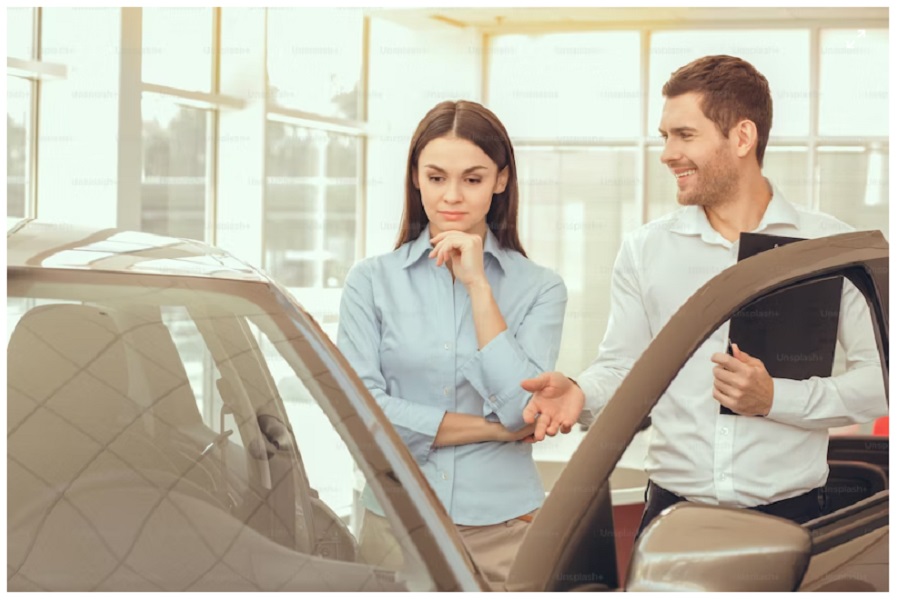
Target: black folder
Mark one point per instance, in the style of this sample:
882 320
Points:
794 331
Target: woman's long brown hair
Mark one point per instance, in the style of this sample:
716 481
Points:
469 121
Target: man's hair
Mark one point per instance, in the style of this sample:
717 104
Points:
731 90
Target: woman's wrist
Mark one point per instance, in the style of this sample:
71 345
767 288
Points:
479 287
498 433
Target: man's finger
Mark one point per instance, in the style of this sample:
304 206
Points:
530 413
536 384
725 389
720 358
740 354
540 428
553 427
724 375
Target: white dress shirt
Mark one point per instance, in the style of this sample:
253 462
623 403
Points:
694 451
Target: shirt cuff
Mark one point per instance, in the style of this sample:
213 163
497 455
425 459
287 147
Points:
419 435
788 400
496 372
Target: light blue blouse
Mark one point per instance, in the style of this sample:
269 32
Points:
407 330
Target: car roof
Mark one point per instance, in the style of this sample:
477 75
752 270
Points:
44 245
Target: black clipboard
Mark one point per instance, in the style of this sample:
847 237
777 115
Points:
794 331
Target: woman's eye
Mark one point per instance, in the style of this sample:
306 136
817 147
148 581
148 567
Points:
435 178
474 181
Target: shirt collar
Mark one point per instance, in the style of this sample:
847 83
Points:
492 248
779 212
418 248
692 219
421 246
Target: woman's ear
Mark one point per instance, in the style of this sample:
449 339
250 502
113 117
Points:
414 173
502 180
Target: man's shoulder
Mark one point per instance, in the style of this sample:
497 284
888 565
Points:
815 223
655 229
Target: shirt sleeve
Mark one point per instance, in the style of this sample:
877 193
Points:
496 371
359 338
627 335
855 396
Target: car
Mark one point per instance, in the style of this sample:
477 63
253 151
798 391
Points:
177 422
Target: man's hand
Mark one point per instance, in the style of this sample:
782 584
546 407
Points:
555 404
525 434
742 383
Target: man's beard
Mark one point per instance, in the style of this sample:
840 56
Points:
716 183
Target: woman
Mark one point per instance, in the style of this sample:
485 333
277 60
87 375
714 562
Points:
443 329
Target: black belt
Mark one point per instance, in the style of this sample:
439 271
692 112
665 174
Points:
782 508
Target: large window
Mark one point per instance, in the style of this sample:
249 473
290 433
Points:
854 82
314 140
174 181
315 60
589 149
19 138
20 90
177 58
311 191
570 86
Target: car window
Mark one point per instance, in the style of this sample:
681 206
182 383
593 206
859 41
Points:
167 439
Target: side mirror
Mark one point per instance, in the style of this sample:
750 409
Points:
697 548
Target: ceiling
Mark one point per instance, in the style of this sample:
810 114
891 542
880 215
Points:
514 19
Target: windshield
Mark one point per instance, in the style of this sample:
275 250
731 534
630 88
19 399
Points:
177 434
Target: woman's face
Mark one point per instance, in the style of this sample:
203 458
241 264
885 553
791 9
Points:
457 181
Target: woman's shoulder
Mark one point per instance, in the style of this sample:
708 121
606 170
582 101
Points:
521 265
380 263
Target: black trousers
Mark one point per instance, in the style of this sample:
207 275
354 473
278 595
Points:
798 509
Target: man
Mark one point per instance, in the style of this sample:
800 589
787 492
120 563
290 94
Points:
771 455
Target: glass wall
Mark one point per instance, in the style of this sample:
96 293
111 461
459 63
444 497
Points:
281 134
590 150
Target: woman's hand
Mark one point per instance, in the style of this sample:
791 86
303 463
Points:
463 253
526 434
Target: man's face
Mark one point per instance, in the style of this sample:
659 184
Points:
697 154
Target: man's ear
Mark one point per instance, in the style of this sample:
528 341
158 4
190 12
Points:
745 138
502 180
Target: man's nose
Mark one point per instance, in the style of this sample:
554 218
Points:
669 153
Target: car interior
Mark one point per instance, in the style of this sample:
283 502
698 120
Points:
120 499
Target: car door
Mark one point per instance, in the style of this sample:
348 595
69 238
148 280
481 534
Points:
571 543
